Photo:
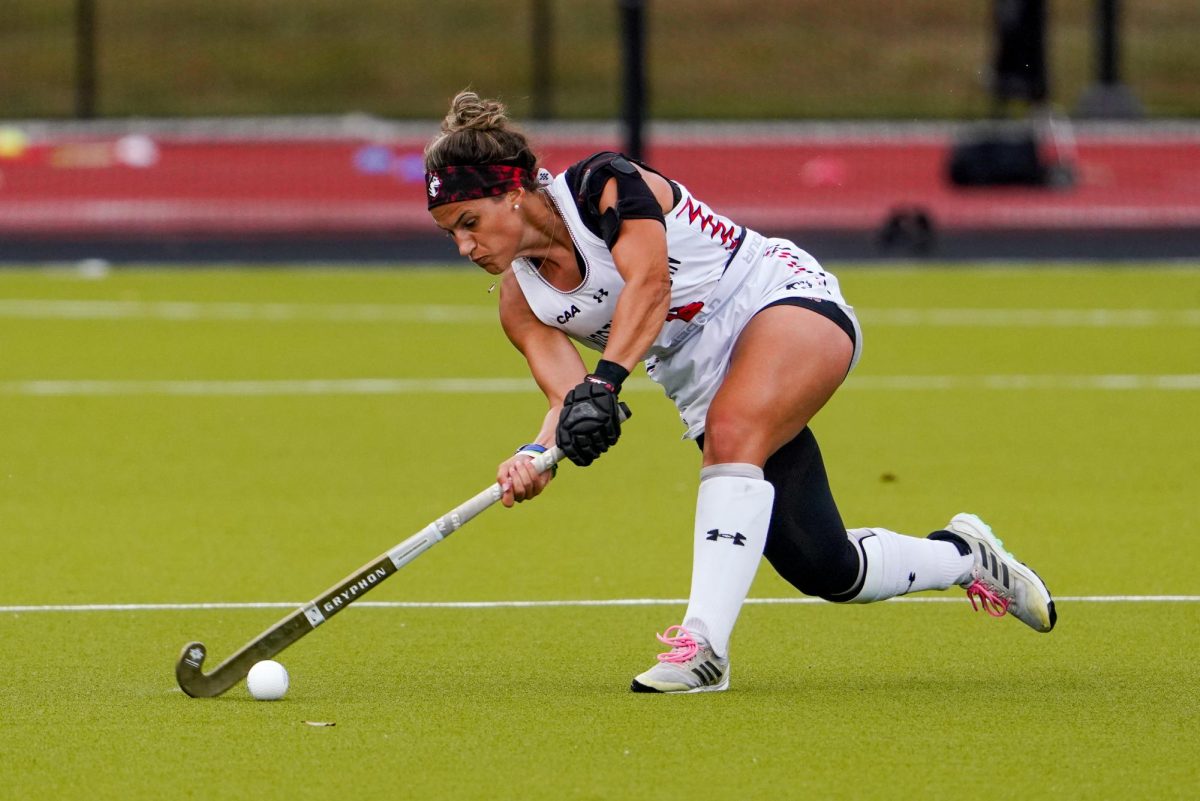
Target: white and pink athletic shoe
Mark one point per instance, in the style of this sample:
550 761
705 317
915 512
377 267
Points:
998 583
690 666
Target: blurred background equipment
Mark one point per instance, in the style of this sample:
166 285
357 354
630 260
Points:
1016 154
217 129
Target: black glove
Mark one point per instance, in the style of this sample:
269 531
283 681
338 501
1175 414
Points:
590 422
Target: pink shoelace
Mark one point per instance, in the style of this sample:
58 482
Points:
683 645
992 603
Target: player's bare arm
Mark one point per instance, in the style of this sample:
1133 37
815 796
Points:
640 254
555 366
590 422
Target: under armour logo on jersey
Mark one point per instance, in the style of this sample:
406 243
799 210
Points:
600 295
715 534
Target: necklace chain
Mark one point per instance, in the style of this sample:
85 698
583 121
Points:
553 208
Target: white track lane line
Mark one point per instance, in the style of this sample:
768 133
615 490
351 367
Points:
1183 382
548 604
188 311
256 388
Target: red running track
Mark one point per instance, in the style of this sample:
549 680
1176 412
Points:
137 185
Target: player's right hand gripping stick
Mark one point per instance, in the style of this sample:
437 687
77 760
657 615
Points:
590 422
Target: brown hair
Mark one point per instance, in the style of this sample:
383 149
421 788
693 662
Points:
477 131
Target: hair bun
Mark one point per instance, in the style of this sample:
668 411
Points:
477 131
471 112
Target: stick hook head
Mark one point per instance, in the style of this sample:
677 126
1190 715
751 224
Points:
188 667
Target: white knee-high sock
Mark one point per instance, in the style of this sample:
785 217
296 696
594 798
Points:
733 511
897 564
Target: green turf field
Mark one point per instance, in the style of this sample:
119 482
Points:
174 438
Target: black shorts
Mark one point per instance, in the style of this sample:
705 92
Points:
826 308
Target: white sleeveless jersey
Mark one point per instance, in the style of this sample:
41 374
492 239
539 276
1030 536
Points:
721 276
700 245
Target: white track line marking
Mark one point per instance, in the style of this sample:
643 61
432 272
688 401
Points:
1030 318
1111 382
1185 382
344 386
189 607
188 311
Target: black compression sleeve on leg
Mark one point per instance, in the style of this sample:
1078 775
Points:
807 542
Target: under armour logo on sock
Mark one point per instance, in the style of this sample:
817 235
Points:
715 534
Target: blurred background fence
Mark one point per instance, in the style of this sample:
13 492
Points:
894 128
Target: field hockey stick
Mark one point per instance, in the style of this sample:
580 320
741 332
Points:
189 668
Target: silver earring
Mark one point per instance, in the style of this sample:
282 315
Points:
516 206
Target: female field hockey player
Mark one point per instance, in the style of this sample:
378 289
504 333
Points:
748 335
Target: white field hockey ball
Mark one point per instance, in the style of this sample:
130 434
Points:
267 680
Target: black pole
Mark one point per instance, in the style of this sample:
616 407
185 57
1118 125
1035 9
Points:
542 41
1107 97
1019 62
1107 57
633 41
85 59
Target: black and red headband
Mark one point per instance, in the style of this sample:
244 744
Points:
452 184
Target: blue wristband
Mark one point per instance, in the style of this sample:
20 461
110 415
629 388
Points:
532 448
